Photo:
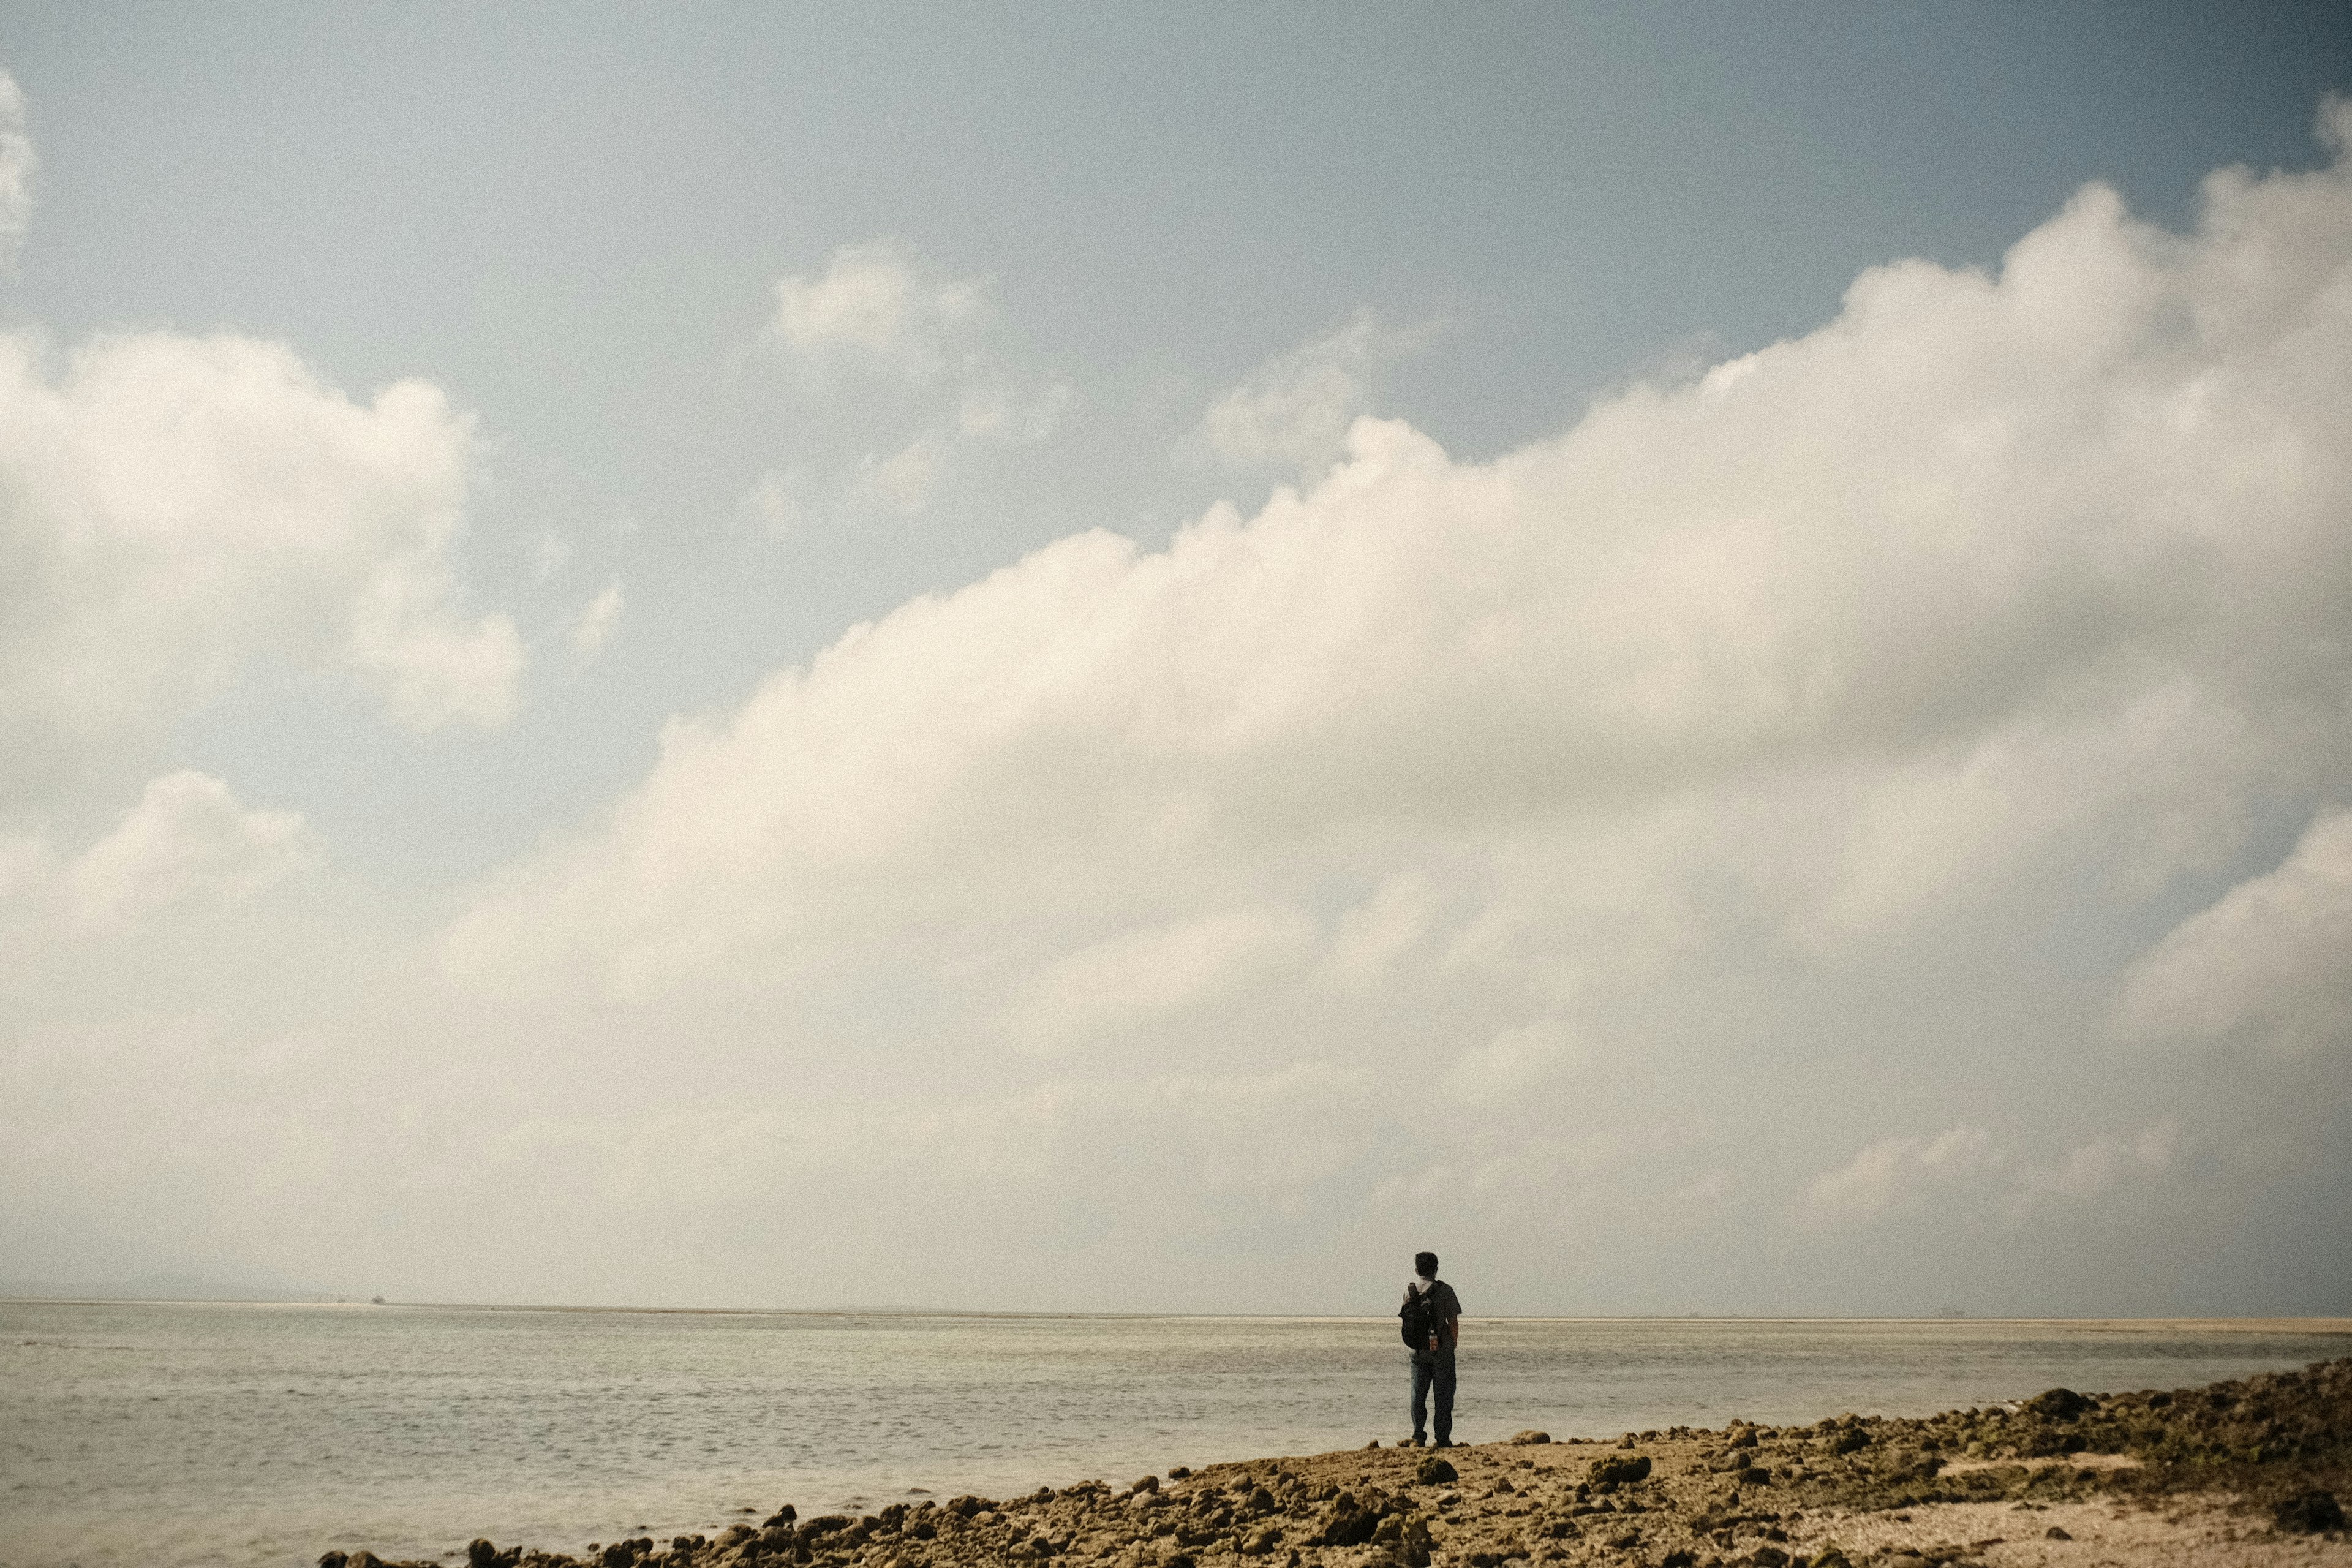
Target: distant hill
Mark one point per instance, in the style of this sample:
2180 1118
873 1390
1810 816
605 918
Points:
157 1288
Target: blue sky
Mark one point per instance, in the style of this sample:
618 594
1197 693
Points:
1677 821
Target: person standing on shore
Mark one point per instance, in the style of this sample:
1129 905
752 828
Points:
1432 1327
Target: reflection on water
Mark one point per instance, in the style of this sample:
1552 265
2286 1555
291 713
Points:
211 1434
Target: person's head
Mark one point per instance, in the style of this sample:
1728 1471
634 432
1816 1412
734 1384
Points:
1425 1265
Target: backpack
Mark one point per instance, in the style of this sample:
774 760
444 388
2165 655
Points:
1420 1315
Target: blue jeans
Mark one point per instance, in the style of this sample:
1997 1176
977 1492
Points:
1437 1367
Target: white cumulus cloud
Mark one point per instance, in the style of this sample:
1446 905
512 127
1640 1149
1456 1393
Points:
187 836
1893 1170
187 841
2098 1166
2271 961
171 506
1968 1171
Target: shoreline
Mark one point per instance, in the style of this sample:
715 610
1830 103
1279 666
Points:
2252 1471
2313 1327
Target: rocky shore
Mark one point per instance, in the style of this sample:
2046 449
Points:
2249 1472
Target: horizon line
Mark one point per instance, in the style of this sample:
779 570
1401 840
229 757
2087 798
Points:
2235 1323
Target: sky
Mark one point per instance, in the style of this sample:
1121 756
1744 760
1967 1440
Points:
1069 660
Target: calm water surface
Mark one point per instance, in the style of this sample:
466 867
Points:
205 1434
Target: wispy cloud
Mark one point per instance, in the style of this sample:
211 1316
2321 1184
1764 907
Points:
882 302
881 305
1294 410
596 622
18 162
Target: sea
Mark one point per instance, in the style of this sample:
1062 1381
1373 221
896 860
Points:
204 1434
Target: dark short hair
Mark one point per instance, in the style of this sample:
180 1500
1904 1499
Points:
1425 1263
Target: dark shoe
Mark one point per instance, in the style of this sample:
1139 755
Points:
1443 1443
1415 1441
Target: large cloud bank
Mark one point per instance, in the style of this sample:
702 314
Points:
1745 817
1996 577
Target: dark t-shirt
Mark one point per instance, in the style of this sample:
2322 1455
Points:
1449 1307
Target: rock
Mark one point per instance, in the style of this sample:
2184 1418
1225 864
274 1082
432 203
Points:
1148 1484
2058 1405
333 1560
2056 1533
1373 1443
2311 1514
1833 1557
1178 1472
618 1555
1435 1472
1349 1522
1619 1471
1743 1438
481 1553
784 1515
1530 1435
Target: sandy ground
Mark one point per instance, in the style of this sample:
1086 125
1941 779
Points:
2182 1533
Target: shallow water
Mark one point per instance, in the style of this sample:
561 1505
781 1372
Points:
208 1434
